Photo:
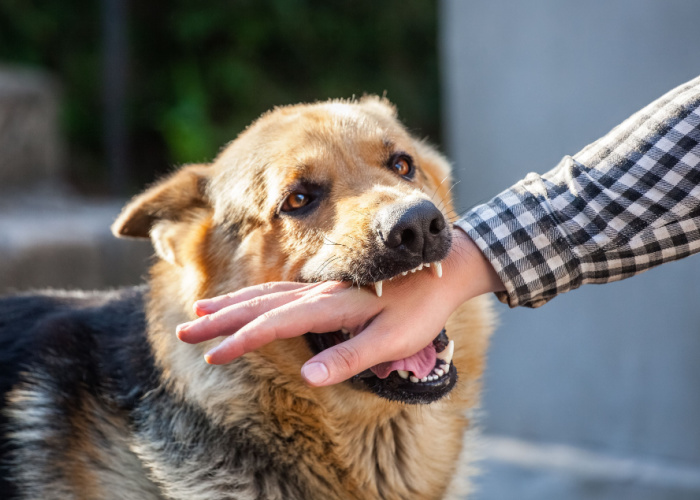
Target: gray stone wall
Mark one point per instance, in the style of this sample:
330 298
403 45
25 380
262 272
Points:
609 374
30 147
49 237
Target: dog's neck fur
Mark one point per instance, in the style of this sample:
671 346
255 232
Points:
377 448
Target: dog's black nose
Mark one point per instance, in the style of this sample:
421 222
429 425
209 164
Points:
415 229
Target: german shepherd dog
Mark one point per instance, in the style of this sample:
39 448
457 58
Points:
102 401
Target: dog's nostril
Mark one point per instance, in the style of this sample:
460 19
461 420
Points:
437 225
407 237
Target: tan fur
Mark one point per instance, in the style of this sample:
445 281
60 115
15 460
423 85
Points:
215 229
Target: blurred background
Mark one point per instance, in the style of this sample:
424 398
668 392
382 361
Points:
595 395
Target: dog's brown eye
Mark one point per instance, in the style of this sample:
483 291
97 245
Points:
295 201
402 166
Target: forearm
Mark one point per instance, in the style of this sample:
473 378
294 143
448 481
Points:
624 204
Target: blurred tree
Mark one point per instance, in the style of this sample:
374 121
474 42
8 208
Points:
201 71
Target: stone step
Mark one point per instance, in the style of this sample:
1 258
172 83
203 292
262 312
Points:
57 241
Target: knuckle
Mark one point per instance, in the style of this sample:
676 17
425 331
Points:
332 287
346 357
244 341
255 304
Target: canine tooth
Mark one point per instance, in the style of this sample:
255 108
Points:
402 373
446 355
414 379
438 269
378 288
439 372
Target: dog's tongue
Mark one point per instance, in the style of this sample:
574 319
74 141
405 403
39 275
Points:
421 364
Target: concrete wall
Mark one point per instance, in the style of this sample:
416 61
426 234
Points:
610 373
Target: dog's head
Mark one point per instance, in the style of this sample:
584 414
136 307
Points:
337 190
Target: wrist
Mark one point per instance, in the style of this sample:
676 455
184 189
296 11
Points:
469 272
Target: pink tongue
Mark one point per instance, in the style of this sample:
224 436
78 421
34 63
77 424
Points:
421 364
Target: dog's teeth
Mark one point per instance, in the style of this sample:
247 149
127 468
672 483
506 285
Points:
424 379
427 264
439 372
402 373
414 379
446 355
378 288
420 268
438 269
345 331
404 273
413 270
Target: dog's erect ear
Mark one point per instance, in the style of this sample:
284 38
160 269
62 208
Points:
378 104
167 200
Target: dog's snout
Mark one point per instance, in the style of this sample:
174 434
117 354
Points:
414 229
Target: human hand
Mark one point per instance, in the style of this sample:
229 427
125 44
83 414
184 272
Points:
410 313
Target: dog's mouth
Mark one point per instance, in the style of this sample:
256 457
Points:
437 269
422 378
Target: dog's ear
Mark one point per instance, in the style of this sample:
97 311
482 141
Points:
172 199
380 105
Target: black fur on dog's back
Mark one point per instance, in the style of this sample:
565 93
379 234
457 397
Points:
75 342
77 349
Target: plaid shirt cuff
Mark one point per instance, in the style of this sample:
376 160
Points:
624 204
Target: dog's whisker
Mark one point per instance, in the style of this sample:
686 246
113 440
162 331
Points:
326 263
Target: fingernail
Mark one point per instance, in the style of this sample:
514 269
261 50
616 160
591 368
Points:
315 373
207 356
182 327
201 307
201 303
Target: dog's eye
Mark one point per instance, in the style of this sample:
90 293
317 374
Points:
403 166
295 201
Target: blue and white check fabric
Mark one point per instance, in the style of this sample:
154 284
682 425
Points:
624 204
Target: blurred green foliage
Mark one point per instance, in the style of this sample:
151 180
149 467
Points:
201 71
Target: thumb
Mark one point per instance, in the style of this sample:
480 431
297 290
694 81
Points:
351 357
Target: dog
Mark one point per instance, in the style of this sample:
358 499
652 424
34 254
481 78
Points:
102 401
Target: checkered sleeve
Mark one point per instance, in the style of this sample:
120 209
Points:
624 204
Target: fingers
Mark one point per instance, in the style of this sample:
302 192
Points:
245 307
208 306
313 312
373 346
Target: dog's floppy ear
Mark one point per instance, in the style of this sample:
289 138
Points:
169 200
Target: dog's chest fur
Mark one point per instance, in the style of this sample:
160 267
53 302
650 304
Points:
86 407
